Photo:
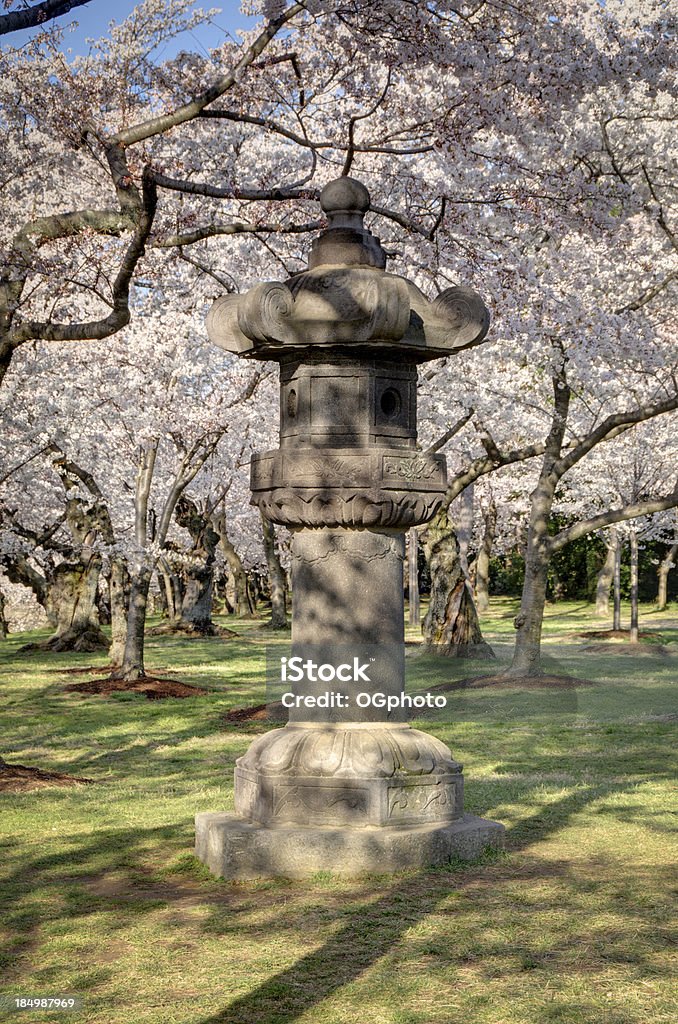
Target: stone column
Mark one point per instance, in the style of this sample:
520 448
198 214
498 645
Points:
349 787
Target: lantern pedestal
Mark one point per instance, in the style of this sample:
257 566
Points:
239 850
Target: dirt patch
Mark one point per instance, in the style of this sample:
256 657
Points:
274 712
502 682
151 687
18 778
216 633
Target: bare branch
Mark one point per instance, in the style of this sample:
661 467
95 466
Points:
302 140
278 195
230 285
197 188
486 464
362 117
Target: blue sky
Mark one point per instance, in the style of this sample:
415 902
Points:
93 20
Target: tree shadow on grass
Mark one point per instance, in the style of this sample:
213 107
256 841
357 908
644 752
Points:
376 927
105 873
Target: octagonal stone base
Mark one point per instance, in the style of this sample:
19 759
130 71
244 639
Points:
239 850
354 774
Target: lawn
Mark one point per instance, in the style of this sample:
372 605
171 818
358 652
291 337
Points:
102 899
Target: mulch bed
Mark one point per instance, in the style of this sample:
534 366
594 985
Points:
18 778
150 686
502 682
218 632
274 712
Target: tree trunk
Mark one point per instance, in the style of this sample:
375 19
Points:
483 560
633 632
276 577
118 586
451 627
616 616
132 666
663 573
606 576
4 625
463 526
196 609
243 605
73 597
196 606
528 623
171 585
413 585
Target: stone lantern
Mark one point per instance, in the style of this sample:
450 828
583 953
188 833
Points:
350 787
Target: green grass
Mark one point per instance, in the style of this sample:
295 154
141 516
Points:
102 898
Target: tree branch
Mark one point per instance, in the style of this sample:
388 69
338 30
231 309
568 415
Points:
613 425
648 294
158 125
236 228
449 434
619 515
198 188
38 15
278 195
487 464
120 314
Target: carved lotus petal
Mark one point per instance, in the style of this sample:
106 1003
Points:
326 751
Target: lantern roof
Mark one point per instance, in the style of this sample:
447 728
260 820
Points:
347 300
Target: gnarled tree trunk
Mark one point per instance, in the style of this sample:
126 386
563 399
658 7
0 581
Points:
451 627
132 666
196 607
73 597
19 570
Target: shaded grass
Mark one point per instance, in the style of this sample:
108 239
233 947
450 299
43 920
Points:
102 897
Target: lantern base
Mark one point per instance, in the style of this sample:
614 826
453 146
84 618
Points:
239 850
